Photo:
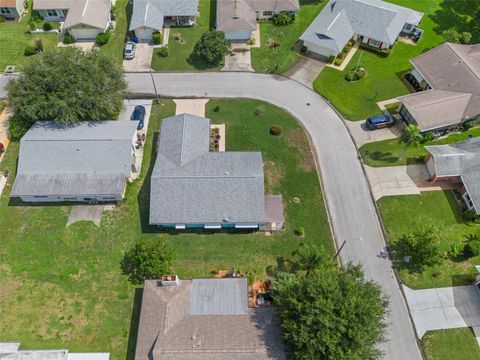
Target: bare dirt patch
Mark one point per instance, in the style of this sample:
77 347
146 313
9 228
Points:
273 174
297 139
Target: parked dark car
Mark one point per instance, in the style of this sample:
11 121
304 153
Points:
139 115
380 121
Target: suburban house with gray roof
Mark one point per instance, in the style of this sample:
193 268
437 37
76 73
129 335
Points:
450 77
84 162
458 163
207 319
374 22
151 16
192 187
11 9
238 18
11 351
52 10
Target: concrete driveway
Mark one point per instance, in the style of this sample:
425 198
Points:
362 135
142 60
238 59
91 213
305 71
444 308
350 206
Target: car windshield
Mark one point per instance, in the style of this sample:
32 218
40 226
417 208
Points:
128 51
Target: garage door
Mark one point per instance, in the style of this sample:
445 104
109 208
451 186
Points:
84 34
238 35
144 34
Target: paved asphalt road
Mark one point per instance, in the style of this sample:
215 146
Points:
351 208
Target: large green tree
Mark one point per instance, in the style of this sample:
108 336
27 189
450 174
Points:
212 46
65 85
420 246
331 313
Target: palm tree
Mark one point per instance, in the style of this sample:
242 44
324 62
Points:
309 258
411 135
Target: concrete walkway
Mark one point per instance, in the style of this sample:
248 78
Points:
305 70
382 104
347 59
443 308
257 37
190 106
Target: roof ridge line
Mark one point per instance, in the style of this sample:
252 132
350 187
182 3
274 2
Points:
461 59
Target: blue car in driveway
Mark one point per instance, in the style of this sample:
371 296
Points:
380 121
139 115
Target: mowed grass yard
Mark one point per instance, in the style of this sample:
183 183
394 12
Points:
357 100
14 37
63 287
386 152
458 344
180 52
406 213
265 58
115 47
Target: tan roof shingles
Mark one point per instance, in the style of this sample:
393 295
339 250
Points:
52 4
94 13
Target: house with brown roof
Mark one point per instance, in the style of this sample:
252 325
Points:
11 9
238 18
206 319
449 76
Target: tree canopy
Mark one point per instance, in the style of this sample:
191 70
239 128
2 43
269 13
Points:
65 85
331 313
212 46
420 247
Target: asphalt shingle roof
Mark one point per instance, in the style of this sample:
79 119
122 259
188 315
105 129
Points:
52 4
87 158
341 19
94 13
191 185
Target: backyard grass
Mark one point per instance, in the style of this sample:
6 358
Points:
63 287
180 52
406 213
116 45
386 152
14 37
357 100
458 344
265 58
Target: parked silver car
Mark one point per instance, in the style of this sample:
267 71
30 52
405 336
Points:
129 50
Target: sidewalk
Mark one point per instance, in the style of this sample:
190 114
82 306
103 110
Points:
347 59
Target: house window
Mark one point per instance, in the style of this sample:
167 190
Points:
267 13
5 11
408 27
375 43
52 13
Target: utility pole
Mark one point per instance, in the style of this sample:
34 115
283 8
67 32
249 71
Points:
358 61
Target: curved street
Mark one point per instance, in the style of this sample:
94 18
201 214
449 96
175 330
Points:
350 205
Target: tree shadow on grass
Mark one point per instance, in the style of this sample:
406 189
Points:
201 64
454 205
134 322
463 279
386 157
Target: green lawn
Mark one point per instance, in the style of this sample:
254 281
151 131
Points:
458 344
403 214
386 152
357 100
63 287
264 58
116 45
180 53
14 38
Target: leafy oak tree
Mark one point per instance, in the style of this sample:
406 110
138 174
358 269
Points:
421 247
65 85
331 313
212 46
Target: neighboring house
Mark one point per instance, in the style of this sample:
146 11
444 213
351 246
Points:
11 9
52 10
374 22
192 187
87 18
458 163
84 162
450 76
238 18
10 351
151 16
206 319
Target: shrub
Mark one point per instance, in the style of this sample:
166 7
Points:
283 18
251 41
469 215
259 110
429 136
38 44
157 38
467 125
331 59
276 130
102 38
2 19
455 250
29 50
338 62
47 26
381 52
273 44
212 47
251 279
68 39
350 76
300 231
472 248
36 17
303 49
163 51
216 108
354 75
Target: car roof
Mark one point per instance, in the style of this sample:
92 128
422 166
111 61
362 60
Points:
130 45
378 119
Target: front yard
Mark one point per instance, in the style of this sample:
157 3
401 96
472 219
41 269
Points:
357 100
386 152
406 213
63 288
458 344
116 45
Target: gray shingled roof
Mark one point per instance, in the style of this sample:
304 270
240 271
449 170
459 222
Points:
460 159
453 72
88 158
275 5
150 13
52 4
235 15
341 19
191 185
169 331
94 13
